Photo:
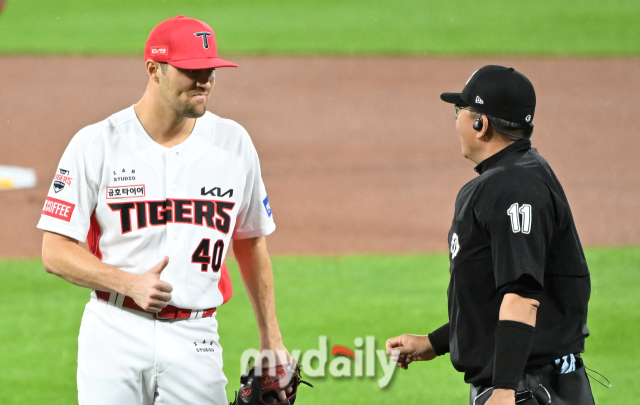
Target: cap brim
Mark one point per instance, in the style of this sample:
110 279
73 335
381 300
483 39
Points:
204 63
453 98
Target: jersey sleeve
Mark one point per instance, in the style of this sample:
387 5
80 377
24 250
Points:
72 196
516 211
254 216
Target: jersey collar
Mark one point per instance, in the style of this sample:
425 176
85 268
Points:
144 142
517 146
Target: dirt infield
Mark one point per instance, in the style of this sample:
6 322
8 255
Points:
358 155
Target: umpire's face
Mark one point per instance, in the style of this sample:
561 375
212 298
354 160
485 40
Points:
468 135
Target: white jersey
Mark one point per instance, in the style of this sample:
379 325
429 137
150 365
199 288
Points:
138 201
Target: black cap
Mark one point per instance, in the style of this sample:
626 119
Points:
497 91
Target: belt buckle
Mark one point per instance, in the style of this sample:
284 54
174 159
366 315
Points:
159 317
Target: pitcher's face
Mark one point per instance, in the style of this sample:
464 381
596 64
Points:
187 91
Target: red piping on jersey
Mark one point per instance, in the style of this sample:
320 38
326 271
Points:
224 284
93 237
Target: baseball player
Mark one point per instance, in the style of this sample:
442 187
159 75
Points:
519 284
158 191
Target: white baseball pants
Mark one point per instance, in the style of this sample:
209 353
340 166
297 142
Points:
126 357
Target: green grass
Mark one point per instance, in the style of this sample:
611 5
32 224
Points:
332 27
341 298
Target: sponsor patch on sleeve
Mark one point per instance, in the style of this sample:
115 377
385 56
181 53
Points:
267 206
61 180
125 191
58 209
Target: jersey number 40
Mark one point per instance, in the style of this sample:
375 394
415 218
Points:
201 255
525 213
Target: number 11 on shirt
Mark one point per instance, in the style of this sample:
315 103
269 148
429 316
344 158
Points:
525 212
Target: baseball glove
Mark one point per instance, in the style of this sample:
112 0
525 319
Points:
261 390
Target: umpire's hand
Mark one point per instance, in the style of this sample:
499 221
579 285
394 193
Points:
407 348
148 291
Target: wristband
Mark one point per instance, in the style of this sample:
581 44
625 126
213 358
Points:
514 341
439 339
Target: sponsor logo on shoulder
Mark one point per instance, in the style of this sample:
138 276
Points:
267 206
61 180
216 192
58 209
126 191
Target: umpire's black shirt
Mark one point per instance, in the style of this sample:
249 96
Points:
513 232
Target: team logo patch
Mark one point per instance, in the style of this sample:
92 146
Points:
205 38
61 180
58 209
125 191
455 245
58 185
267 206
277 380
246 392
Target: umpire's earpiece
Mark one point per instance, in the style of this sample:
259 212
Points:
478 124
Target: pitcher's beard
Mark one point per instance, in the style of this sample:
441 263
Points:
189 110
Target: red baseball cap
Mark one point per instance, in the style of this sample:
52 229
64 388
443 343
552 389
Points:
184 43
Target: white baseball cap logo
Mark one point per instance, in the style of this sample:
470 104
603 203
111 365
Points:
528 118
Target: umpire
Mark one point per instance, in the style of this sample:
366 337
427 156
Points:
519 284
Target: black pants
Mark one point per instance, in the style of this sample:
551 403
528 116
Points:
561 389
